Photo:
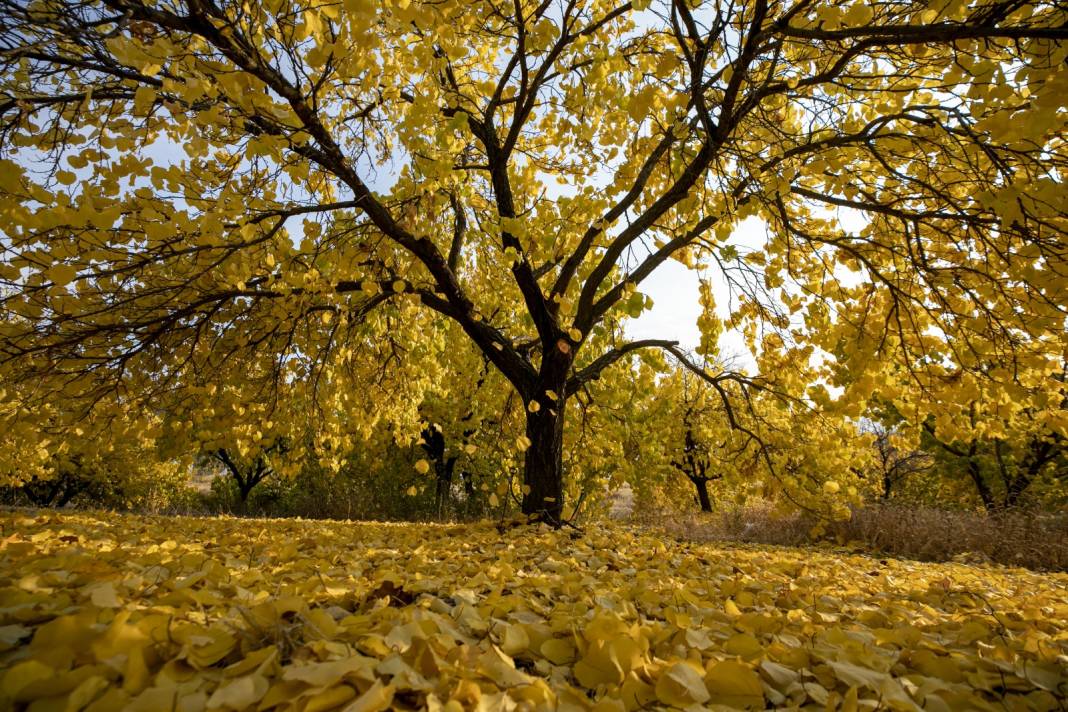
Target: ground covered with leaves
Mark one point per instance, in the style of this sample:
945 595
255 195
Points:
109 612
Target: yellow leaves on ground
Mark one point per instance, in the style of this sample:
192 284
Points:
735 684
682 684
114 612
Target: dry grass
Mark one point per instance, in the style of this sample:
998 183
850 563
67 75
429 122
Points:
1032 540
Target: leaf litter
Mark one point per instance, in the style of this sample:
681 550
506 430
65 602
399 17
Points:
107 612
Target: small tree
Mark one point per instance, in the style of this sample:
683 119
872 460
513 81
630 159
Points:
897 460
246 476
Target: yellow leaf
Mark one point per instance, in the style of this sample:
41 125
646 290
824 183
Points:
379 697
329 699
23 674
328 673
514 639
143 99
607 662
207 646
103 595
681 685
239 693
743 645
735 684
256 660
558 651
422 467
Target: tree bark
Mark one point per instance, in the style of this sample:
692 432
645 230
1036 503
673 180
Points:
981 486
443 470
703 499
543 466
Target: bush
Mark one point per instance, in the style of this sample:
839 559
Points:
155 487
353 493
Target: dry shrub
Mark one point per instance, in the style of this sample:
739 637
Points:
1033 540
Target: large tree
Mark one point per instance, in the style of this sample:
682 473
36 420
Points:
290 181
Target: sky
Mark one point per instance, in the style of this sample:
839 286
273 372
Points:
674 289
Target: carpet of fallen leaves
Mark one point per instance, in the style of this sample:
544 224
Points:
110 612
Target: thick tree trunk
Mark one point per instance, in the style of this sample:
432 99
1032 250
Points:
702 493
543 466
41 494
544 463
244 489
1040 453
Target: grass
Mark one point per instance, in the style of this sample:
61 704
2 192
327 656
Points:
1036 541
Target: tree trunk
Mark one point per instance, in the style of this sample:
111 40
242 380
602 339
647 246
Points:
443 485
1040 453
66 494
981 486
543 464
41 494
543 467
703 499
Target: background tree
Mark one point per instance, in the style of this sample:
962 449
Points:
897 459
201 188
1001 470
247 472
115 465
974 438
702 444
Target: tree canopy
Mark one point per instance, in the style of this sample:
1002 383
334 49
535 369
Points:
272 199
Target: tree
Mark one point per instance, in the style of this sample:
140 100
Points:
703 445
1002 470
246 475
664 124
118 472
998 444
897 460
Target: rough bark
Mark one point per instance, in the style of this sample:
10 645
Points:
543 466
703 498
543 470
